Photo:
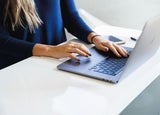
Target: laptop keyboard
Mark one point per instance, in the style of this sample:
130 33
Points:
110 66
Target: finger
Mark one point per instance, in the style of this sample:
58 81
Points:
70 55
83 48
114 50
103 48
120 50
78 51
125 51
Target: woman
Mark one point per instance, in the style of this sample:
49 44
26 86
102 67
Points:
36 28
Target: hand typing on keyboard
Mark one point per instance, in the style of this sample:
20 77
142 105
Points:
107 54
105 45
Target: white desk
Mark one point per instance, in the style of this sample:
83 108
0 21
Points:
35 87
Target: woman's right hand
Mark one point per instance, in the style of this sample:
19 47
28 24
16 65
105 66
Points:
62 50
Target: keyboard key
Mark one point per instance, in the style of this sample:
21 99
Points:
110 66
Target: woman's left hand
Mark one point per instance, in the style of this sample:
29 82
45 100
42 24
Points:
106 45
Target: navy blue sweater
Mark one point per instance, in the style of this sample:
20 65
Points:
56 15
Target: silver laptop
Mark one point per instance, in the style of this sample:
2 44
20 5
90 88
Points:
107 67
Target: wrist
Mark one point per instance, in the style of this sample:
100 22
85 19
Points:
41 50
92 36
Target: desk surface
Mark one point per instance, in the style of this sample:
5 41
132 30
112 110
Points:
147 103
35 87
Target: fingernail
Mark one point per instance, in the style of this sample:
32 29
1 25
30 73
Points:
107 49
89 54
125 55
119 55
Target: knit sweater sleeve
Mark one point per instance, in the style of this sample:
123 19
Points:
14 46
73 22
12 49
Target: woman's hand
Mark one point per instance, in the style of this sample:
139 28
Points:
106 45
61 51
67 50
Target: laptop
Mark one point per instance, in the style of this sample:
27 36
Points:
107 67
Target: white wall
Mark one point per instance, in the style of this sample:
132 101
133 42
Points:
124 13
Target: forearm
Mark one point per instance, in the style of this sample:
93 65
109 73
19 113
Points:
43 50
